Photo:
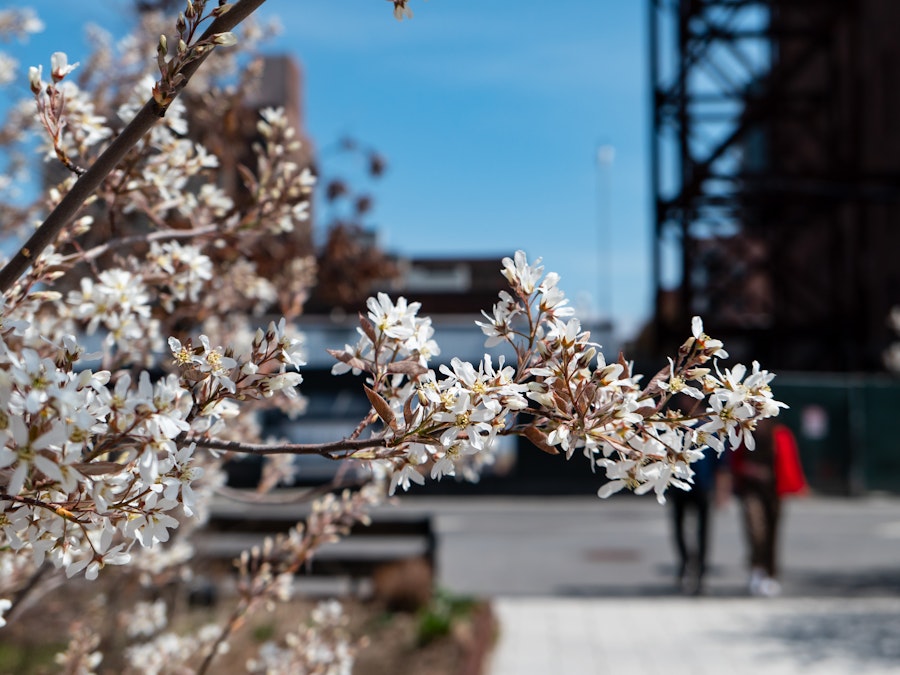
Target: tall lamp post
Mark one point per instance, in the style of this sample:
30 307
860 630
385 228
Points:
605 156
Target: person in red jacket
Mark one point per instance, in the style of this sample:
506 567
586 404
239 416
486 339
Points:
760 478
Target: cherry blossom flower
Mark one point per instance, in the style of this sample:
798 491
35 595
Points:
409 470
5 605
676 384
393 320
153 527
103 555
27 453
60 66
499 327
522 276
708 347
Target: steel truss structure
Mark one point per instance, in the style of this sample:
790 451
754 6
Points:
776 175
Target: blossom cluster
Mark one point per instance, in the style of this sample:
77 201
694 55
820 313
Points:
102 428
189 46
90 464
97 455
94 464
561 394
16 23
282 187
321 646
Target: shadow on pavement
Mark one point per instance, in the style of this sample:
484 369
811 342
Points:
873 582
645 591
615 591
797 583
662 584
863 637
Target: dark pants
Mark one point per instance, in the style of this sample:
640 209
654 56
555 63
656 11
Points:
682 502
761 507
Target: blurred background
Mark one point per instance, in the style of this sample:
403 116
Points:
733 159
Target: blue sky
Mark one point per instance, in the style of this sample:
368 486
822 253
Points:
490 115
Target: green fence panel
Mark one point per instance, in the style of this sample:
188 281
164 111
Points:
846 428
819 416
880 447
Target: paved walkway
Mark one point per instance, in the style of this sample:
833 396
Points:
585 587
697 636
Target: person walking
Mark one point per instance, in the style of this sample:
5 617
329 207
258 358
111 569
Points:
695 505
692 511
761 477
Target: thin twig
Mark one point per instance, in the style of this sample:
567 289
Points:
242 608
18 602
124 242
311 541
307 495
93 178
345 446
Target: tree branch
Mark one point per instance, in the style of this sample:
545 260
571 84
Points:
93 178
22 594
158 235
308 495
346 446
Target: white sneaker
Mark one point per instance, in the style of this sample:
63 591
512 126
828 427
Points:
769 588
757 577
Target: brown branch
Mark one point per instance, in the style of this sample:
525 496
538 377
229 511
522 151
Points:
307 495
312 539
18 601
93 178
159 235
329 450
242 608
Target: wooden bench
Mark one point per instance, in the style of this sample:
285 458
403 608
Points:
392 536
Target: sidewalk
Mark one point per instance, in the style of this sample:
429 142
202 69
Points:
697 636
585 587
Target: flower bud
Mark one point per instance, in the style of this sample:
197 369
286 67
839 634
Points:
59 66
159 96
34 79
163 47
225 39
46 296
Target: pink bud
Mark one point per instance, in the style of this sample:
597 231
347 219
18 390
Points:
34 79
59 66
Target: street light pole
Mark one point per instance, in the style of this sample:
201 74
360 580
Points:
606 154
